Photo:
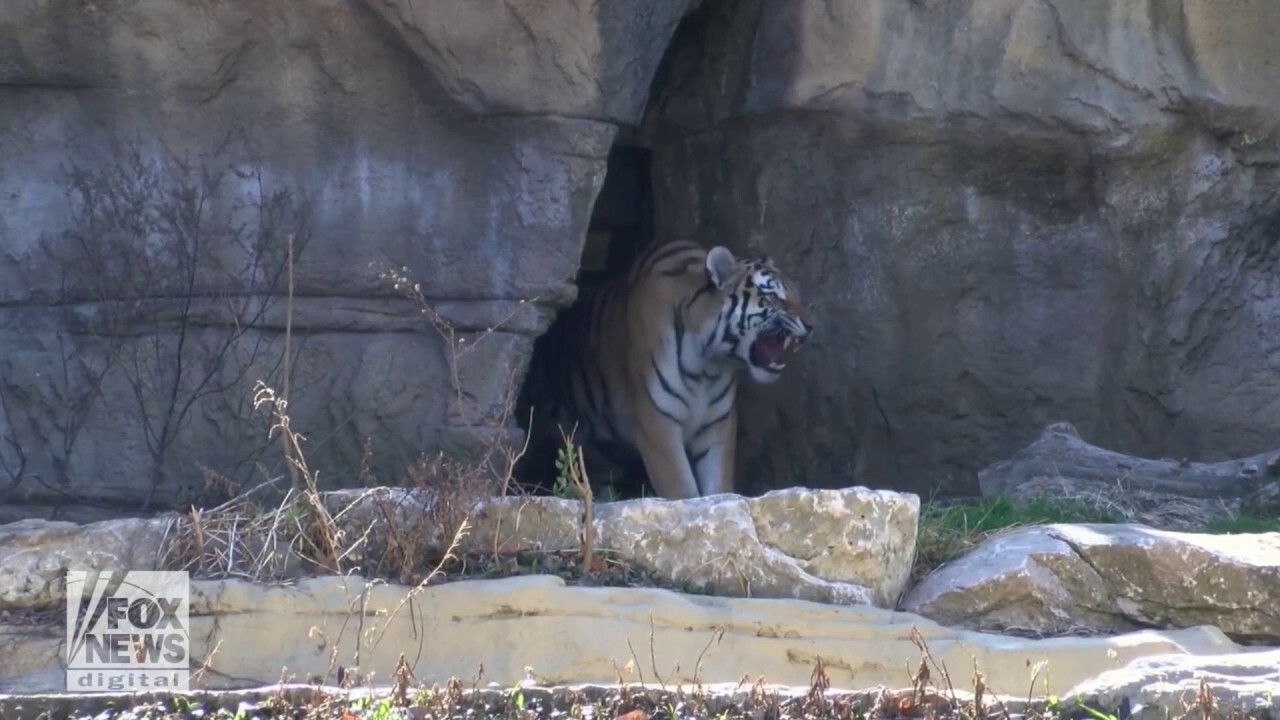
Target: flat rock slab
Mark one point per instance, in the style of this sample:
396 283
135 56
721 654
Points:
1055 579
258 634
1166 684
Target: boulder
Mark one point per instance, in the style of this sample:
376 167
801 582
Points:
1060 452
1166 493
35 555
1072 579
851 546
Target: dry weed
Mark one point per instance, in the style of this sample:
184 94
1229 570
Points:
379 532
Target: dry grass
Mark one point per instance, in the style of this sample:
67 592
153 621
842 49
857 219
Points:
287 527
409 537
1120 500
299 534
261 535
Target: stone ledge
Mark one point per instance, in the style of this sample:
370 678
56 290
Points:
850 546
266 634
375 313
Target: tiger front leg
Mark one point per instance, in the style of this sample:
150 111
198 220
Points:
713 455
660 442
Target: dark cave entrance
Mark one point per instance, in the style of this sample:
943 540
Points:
623 224
622 219
621 227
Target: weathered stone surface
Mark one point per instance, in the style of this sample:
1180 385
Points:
1007 213
1054 579
1166 684
399 142
1059 451
298 632
851 546
569 59
35 554
1165 493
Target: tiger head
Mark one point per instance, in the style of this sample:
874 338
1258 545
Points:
761 317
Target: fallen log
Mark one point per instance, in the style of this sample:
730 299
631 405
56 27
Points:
1059 452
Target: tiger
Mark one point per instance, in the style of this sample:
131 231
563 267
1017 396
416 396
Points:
649 363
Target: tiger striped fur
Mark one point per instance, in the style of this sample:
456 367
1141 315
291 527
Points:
650 363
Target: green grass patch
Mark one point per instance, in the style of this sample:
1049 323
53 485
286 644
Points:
949 530
1244 524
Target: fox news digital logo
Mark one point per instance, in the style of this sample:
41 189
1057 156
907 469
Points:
127 630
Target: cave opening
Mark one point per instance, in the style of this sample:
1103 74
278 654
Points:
621 227
622 219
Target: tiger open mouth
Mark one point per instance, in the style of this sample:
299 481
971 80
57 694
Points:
770 352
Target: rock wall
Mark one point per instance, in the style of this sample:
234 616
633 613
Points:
1006 213
463 141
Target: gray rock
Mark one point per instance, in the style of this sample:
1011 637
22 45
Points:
1056 579
35 554
1060 452
567 59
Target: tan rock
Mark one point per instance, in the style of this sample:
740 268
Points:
265 633
855 535
1059 578
850 546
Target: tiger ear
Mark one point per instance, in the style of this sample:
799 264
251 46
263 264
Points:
720 266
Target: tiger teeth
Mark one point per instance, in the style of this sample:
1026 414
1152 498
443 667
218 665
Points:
786 344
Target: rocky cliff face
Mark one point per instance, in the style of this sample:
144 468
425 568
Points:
1005 212
169 148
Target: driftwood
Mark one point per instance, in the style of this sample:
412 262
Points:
1059 452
